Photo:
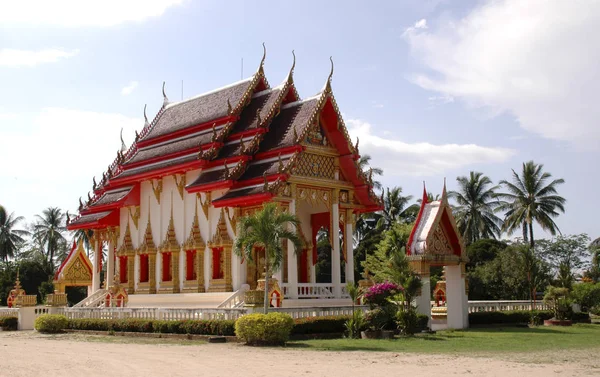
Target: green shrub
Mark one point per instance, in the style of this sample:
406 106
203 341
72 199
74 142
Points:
508 317
197 327
422 322
382 318
264 329
9 323
320 325
407 321
583 317
51 323
587 295
355 324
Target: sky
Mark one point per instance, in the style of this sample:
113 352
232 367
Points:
433 88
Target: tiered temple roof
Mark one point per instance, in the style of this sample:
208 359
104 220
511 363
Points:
245 137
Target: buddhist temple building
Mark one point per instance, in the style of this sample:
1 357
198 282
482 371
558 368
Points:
167 207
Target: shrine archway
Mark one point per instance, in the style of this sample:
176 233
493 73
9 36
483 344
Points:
435 241
75 271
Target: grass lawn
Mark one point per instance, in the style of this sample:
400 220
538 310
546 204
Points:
507 339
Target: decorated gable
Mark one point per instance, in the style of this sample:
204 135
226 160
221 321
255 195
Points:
76 269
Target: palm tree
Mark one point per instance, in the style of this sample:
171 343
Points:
267 228
10 239
476 198
364 163
396 209
48 231
530 199
84 235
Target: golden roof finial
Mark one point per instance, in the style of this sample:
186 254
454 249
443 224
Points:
356 145
229 108
295 135
226 170
242 146
258 120
330 73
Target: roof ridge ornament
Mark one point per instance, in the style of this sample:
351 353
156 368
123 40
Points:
165 99
258 120
146 124
330 73
214 132
356 145
266 182
242 146
94 181
123 146
226 169
229 108
262 61
279 164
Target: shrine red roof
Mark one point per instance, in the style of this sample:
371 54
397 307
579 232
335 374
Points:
255 130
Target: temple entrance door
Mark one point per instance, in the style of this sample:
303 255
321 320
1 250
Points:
256 267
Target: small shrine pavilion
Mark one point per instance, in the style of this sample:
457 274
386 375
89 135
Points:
167 207
436 241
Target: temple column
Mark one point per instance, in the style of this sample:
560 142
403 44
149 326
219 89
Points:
236 263
207 267
336 275
110 262
292 265
455 300
153 271
97 244
175 271
131 273
348 243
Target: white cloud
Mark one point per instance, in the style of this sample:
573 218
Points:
18 58
59 150
534 59
77 13
421 24
398 158
129 88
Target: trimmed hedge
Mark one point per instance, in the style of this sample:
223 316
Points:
320 325
582 317
264 329
508 317
9 323
422 321
51 323
196 327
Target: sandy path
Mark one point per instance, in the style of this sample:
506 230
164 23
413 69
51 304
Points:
31 354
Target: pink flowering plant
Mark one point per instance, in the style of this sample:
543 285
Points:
378 294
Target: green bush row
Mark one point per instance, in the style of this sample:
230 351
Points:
196 327
508 317
519 317
9 323
320 325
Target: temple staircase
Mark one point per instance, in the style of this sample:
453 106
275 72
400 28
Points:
96 300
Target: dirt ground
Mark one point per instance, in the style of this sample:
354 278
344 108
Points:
33 354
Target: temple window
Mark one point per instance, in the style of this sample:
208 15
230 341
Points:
166 271
190 271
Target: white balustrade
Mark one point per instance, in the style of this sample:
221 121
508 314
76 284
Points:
9 312
318 312
319 290
506 305
153 313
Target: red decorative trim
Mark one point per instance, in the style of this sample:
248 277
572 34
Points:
131 199
247 133
73 248
257 180
419 217
187 131
112 219
182 168
280 151
170 156
243 200
226 184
